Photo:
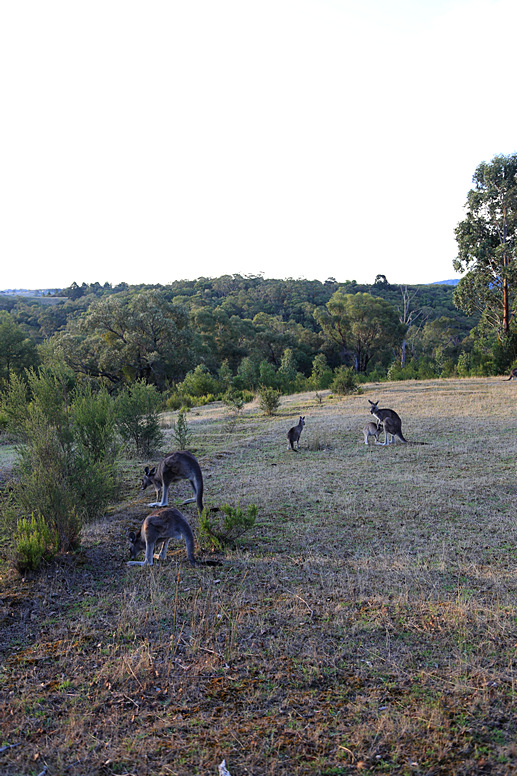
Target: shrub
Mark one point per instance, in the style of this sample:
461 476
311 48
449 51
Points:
234 402
225 530
137 412
94 422
34 541
67 459
321 375
345 381
181 431
199 382
269 400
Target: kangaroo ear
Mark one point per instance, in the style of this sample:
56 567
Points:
132 537
371 402
146 471
153 471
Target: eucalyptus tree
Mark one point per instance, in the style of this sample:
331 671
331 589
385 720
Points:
17 351
361 325
487 245
122 338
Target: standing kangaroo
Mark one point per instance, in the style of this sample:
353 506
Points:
371 429
174 467
294 433
513 374
390 422
160 526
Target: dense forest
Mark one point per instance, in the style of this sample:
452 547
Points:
196 339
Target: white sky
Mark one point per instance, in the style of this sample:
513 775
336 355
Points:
167 139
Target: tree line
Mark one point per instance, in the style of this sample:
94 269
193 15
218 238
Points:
243 330
237 331
88 370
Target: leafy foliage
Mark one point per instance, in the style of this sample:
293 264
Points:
361 325
345 381
269 400
17 351
231 524
181 431
34 541
67 459
137 412
487 245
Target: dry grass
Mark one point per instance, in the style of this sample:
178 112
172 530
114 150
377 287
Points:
368 623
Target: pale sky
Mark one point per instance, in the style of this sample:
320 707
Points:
167 139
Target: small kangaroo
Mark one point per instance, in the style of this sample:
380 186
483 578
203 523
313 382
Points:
371 429
174 467
513 374
390 422
294 433
160 527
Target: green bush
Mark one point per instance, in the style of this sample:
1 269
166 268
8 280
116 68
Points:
321 375
177 400
234 403
345 381
66 469
231 524
199 382
181 431
137 412
269 400
34 542
94 421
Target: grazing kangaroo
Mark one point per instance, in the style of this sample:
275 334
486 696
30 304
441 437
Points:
371 429
174 467
390 422
160 527
513 374
294 433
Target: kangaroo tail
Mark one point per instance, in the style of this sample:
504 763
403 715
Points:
189 542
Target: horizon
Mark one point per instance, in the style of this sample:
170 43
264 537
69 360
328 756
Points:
287 137
451 281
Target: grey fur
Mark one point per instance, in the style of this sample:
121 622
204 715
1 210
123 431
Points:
390 422
294 433
160 527
173 468
371 429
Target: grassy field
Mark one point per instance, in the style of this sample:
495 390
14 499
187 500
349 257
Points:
367 623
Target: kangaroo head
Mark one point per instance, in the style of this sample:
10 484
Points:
373 408
147 478
302 421
136 543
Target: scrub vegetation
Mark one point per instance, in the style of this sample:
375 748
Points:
365 623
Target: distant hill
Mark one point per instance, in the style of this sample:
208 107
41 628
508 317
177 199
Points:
453 282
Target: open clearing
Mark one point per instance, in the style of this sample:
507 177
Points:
367 623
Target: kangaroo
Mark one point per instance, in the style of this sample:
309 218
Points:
294 433
513 374
160 527
390 422
174 467
393 429
371 429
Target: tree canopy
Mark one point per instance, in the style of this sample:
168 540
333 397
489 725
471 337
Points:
361 325
487 245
